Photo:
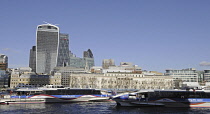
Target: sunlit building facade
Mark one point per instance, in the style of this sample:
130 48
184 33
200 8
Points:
63 53
47 42
32 59
52 48
3 62
184 77
30 79
3 79
86 62
107 63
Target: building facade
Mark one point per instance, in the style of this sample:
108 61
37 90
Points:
4 79
47 44
30 79
107 63
86 62
3 62
32 59
124 67
66 72
120 81
189 77
88 54
63 53
52 48
206 77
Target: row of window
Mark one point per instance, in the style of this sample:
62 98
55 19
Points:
124 75
163 94
72 92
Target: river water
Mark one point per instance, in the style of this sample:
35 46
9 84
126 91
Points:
93 108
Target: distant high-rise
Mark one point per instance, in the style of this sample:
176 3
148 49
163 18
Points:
88 54
86 62
63 53
107 63
32 59
3 62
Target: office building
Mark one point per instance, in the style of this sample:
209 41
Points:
125 67
119 81
63 53
52 48
3 62
86 62
3 79
32 59
88 54
3 58
184 77
47 42
206 77
66 73
107 63
30 79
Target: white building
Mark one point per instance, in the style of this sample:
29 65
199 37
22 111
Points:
124 67
107 63
206 76
120 81
66 72
189 77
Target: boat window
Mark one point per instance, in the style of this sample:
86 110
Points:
179 94
73 92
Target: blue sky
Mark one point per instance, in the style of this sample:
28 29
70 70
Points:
154 34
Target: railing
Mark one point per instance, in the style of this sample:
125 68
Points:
21 100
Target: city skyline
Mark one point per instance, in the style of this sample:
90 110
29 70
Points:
155 35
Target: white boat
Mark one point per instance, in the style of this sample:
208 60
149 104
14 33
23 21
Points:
52 94
165 98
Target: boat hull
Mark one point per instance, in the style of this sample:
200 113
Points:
164 98
53 99
132 103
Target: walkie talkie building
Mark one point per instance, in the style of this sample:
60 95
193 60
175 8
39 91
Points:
47 45
52 48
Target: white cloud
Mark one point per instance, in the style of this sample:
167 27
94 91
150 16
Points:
6 49
204 63
9 50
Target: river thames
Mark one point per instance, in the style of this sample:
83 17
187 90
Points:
93 108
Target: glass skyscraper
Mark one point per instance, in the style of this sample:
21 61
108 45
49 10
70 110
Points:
3 62
47 42
32 59
52 48
86 62
63 53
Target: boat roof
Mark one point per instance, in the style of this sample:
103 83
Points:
48 89
170 90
